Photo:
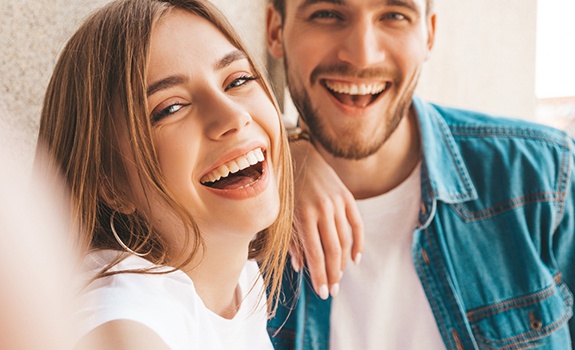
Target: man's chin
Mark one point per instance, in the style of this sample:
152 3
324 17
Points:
352 148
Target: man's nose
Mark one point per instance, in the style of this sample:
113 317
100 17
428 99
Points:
362 46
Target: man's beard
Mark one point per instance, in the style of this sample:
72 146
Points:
350 144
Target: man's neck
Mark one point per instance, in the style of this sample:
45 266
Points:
387 168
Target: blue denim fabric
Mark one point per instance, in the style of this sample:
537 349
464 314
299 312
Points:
495 248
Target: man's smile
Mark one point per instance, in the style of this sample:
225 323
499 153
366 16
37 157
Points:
359 95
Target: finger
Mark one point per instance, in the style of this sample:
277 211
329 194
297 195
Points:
314 257
296 257
357 230
345 238
332 251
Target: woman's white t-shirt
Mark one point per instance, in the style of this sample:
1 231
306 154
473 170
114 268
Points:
169 305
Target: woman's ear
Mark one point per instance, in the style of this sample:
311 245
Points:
274 32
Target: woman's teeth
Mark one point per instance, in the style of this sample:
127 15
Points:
233 166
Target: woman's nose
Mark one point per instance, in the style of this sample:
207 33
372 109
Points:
225 117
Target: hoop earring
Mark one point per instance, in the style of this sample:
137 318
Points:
117 237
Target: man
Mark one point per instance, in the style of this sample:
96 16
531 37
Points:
469 219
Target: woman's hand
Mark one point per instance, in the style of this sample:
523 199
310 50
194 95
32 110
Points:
326 219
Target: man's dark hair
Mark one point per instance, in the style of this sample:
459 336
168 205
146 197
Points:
280 6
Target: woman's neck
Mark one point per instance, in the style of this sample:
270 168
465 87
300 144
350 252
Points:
216 274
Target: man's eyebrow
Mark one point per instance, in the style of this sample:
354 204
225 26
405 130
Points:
404 3
229 59
165 84
307 3
311 2
410 4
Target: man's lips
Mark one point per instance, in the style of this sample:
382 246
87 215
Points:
359 95
236 173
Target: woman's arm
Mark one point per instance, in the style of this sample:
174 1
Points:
122 335
326 219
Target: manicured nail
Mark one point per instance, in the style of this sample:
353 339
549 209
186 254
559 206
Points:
357 258
323 292
334 290
295 264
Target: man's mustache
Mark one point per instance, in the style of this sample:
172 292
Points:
349 71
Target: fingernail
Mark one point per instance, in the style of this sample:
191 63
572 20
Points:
295 264
357 259
340 274
334 289
323 292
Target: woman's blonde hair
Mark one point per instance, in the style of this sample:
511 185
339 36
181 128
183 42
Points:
98 85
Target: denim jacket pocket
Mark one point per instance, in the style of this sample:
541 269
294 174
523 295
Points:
537 320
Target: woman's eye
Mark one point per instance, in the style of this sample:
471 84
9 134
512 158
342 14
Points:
240 81
162 113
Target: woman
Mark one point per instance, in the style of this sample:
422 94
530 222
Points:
173 151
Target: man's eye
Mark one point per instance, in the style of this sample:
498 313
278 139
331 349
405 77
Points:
394 16
171 109
243 80
325 14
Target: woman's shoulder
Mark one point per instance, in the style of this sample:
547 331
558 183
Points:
165 300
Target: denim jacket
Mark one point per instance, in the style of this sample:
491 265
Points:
495 245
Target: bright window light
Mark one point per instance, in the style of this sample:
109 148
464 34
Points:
555 71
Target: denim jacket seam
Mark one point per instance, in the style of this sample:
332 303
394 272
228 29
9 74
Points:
471 216
566 165
483 312
503 132
432 301
443 280
525 337
447 136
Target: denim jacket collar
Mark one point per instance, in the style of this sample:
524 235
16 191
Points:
444 175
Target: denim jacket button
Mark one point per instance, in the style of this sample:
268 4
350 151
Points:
535 324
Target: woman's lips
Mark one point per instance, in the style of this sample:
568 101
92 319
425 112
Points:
242 177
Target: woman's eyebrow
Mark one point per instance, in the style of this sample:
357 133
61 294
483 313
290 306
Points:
165 84
229 59
170 81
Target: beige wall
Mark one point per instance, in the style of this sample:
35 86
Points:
484 56
31 34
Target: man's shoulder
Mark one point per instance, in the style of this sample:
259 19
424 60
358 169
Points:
469 124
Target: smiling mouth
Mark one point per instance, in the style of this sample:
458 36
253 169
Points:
355 95
238 173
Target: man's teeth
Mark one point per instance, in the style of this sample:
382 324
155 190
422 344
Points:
355 89
233 166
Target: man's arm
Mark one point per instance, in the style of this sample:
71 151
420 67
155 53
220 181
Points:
564 236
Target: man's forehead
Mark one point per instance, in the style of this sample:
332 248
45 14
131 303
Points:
417 5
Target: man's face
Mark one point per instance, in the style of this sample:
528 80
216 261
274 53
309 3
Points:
352 66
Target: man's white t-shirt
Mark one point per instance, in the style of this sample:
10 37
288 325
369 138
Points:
169 305
381 303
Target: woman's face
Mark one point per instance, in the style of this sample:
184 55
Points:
215 130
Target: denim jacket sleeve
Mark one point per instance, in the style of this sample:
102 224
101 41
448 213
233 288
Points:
563 241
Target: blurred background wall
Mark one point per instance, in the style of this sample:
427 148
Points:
32 33
484 56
